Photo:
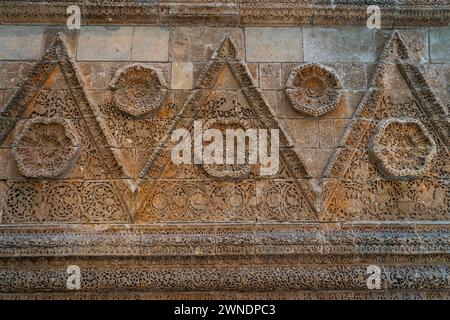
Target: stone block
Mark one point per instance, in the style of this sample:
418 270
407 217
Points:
440 45
11 73
96 74
270 75
350 44
326 133
199 43
71 37
268 44
20 42
98 43
182 75
315 159
304 132
352 75
348 104
150 44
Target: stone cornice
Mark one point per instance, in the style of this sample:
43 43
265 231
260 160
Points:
230 12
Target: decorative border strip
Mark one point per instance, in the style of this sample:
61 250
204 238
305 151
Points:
42 276
293 295
344 12
225 240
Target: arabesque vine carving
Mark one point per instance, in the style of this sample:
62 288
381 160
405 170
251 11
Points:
228 171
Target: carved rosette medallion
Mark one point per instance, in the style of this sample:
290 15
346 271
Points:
46 148
313 89
138 90
228 171
402 148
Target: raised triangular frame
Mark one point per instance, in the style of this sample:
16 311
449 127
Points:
226 56
58 54
395 52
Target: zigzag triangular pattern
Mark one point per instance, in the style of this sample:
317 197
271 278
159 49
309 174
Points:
225 58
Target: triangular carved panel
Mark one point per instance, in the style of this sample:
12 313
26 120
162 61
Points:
62 166
392 162
225 95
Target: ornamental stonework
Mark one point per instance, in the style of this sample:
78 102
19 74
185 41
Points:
46 148
403 148
138 90
313 89
87 177
223 170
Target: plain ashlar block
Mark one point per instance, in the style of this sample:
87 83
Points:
273 44
150 44
20 42
182 75
349 44
440 45
97 43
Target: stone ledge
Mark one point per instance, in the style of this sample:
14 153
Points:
345 12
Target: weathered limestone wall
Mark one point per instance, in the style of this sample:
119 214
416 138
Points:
86 177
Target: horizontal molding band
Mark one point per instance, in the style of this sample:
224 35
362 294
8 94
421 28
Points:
43 277
234 13
224 239
228 295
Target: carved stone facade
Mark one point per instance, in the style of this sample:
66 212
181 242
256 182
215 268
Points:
87 178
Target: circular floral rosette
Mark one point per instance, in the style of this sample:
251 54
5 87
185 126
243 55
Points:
138 90
313 89
403 148
46 147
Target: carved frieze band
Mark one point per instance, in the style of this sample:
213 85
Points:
213 240
114 277
322 13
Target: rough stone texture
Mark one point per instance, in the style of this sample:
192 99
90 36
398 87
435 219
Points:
199 43
366 182
182 75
